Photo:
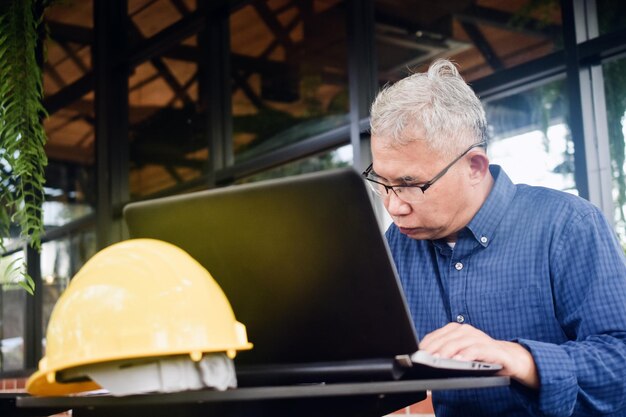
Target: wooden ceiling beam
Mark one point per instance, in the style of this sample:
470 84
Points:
506 21
269 18
64 32
70 93
482 44
75 154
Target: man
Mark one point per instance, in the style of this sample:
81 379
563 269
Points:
530 278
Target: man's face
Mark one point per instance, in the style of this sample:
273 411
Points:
441 213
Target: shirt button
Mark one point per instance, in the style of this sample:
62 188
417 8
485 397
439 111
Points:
460 318
483 239
458 266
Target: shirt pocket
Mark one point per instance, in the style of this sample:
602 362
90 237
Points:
511 314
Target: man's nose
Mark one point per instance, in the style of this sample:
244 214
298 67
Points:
395 205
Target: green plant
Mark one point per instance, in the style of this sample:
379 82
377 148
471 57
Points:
13 272
22 136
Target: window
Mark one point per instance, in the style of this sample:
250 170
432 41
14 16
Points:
611 15
167 125
289 73
530 137
484 36
60 261
69 128
337 158
615 92
12 308
148 17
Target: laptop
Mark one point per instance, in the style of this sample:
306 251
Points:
307 269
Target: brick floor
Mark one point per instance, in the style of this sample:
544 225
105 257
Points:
420 409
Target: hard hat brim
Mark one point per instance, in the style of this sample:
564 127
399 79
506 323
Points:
39 384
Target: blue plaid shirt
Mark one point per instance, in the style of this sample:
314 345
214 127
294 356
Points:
536 266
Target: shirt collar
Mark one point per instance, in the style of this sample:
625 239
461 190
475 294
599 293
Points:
483 225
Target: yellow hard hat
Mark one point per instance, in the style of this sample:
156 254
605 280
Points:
139 298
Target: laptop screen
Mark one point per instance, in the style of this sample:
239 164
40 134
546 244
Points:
302 261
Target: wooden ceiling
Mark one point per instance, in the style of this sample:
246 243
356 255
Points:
282 37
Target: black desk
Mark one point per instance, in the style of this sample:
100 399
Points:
8 407
344 400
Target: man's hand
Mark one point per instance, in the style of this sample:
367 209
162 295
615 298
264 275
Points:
462 341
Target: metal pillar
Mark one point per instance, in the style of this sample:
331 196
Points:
215 85
110 59
33 319
362 72
588 120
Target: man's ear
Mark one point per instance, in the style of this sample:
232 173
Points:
479 167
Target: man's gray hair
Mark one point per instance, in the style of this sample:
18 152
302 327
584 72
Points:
438 101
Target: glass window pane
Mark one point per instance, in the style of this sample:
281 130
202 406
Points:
56 213
168 139
70 146
12 309
615 91
60 261
149 17
337 158
484 36
611 15
70 174
530 137
289 73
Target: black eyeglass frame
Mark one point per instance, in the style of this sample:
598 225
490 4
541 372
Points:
425 186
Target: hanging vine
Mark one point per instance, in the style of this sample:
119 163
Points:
22 136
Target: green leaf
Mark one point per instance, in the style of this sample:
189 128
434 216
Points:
22 135
16 274
10 268
27 283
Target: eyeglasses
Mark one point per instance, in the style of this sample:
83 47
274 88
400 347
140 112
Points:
411 193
